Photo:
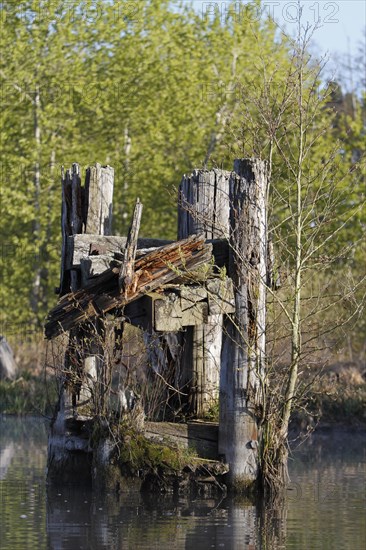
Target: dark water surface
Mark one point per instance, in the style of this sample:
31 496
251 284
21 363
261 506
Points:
325 508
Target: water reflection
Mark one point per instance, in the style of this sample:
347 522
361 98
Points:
6 456
80 520
328 492
23 448
324 508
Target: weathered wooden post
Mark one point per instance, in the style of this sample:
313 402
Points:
84 210
97 206
203 210
242 366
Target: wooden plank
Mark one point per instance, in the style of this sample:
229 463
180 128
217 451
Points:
98 199
93 199
79 246
196 315
76 217
93 266
221 226
76 212
65 230
200 437
182 210
192 199
190 295
106 199
167 313
203 204
169 317
125 278
212 343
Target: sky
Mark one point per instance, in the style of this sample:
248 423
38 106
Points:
339 35
342 22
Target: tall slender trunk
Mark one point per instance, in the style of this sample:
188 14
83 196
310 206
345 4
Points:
37 262
127 167
296 311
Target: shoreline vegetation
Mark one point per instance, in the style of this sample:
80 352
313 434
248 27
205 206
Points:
335 405
334 400
335 395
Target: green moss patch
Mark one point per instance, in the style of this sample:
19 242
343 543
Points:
136 452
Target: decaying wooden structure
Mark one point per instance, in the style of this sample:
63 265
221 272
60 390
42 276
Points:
207 288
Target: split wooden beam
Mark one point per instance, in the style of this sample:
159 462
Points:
84 245
152 271
98 199
125 278
203 205
69 196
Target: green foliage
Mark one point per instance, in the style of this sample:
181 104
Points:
154 91
145 88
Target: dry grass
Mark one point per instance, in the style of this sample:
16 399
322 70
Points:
336 396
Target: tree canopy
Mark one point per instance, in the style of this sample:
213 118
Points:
154 91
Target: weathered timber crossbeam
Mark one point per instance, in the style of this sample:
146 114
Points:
93 247
192 305
177 306
151 271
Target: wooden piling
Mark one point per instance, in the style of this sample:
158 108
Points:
84 210
203 209
242 366
98 200
224 316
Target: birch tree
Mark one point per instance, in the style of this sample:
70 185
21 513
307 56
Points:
317 227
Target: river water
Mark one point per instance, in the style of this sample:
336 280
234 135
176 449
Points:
324 509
